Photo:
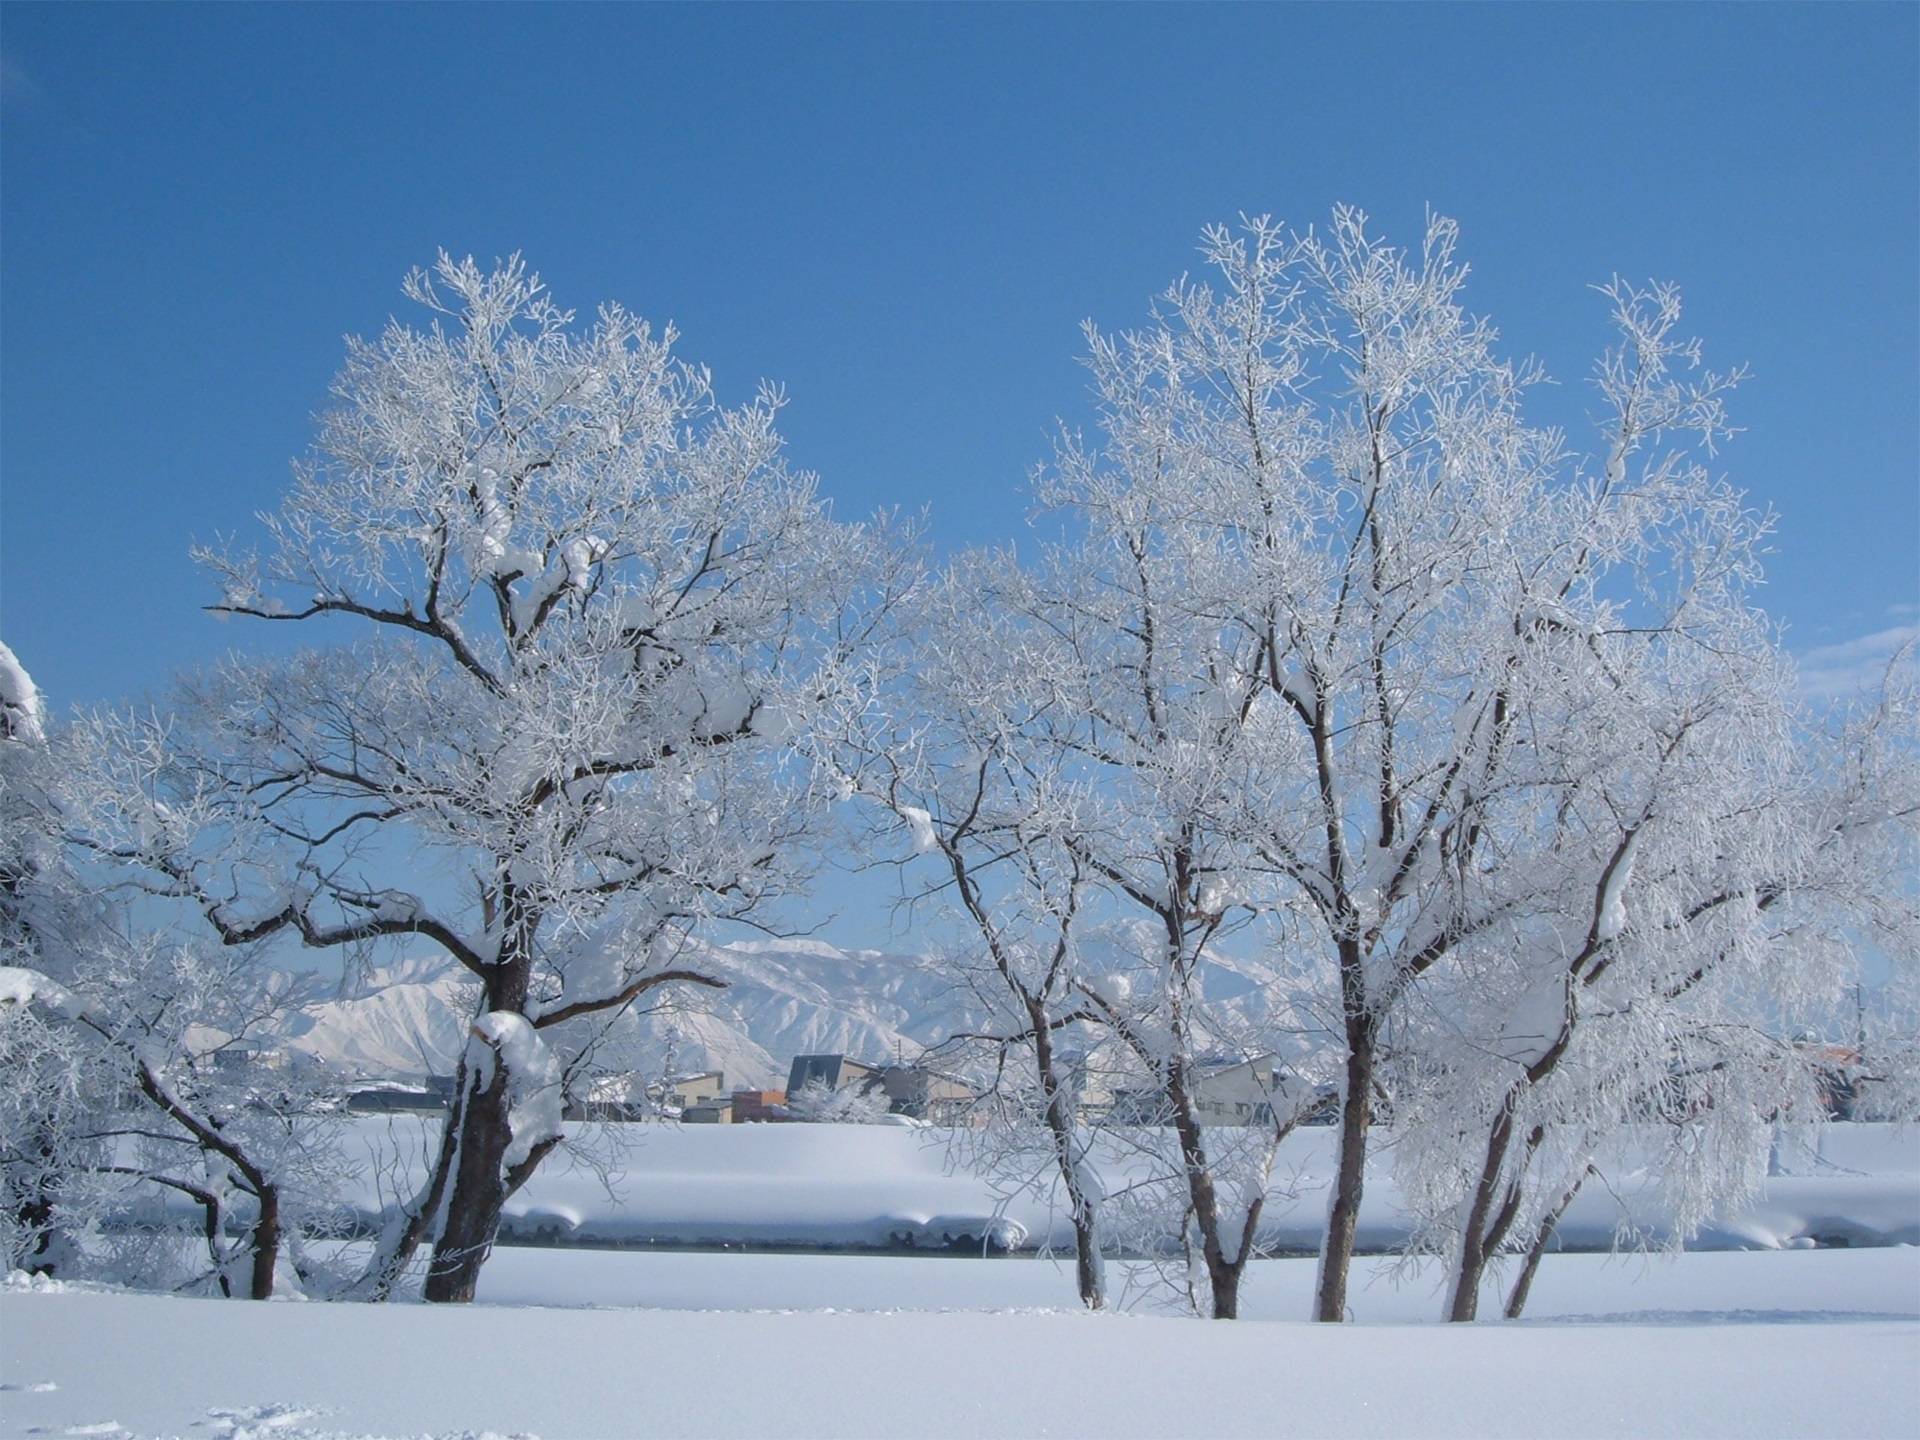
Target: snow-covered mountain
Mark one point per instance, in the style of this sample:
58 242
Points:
784 998
408 1018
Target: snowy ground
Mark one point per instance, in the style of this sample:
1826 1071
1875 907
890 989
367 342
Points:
1814 1343
1772 1340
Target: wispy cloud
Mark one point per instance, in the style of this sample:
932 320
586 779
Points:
1849 667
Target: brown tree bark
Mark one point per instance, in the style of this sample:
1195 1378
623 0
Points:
1224 1270
1483 1232
1089 1275
1542 1237
266 1244
35 1213
478 1190
393 1256
1349 1183
478 1185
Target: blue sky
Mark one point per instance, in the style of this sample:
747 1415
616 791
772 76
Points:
903 214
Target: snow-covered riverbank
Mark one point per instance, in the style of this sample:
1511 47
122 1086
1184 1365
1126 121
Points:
865 1186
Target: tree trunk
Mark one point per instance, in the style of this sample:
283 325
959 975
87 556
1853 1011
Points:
1224 1278
1523 1283
478 1192
1482 1232
34 1215
479 1185
396 1248
1542 1237
266 1244
1343 1213
1463 1293
1089 1270
1223 1274
1089 1266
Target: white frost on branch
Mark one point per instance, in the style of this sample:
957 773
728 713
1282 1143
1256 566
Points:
1112 988
1220 893
1535 1022
726 703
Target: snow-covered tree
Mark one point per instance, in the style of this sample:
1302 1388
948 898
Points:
116 1042
149 1112
593 604
1695 923
1700 884
22 712
1888 1036
1145 700
1369 622
59 1079
43 1091
966 778
818 1103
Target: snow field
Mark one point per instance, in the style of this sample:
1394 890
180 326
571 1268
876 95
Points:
1817 1344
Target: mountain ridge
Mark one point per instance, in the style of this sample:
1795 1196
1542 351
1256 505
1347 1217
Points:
409 1018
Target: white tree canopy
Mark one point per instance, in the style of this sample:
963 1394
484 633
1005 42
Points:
595 604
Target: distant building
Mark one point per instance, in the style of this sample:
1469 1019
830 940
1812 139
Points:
624 1099
924 1094
684 1090
1227 1090
836 1072
709 1110
754 1107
